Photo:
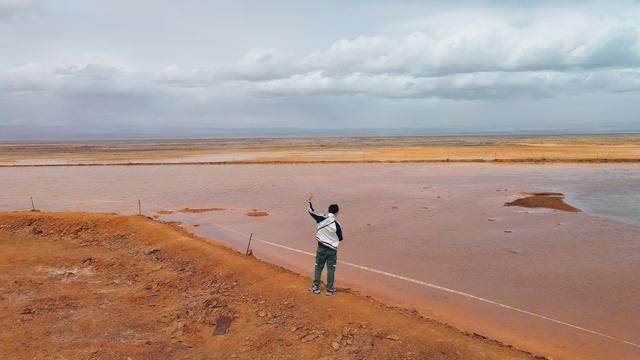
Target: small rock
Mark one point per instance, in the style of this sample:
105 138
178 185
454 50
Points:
222 325
262 314
335 346
393 337
309 337
27 311
151 251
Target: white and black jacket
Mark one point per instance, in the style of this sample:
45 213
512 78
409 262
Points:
329 232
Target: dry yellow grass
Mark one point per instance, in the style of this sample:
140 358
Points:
548 148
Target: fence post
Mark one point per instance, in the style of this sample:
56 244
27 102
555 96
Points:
249 251
139 208
33 206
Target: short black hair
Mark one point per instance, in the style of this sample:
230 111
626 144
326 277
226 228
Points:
333 208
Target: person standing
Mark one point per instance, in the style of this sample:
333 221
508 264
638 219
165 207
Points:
329 236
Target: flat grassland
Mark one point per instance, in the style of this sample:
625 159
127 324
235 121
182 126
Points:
601 148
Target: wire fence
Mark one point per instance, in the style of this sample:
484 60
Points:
144 207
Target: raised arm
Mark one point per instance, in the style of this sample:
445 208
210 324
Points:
314 214
339 231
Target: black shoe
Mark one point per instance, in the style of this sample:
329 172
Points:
331 291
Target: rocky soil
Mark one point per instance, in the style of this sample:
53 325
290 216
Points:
92 286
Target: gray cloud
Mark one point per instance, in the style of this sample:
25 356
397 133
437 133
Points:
395 59
476 85
11 8
480 56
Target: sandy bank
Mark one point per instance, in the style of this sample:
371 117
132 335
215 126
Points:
85 285
201 210
547 200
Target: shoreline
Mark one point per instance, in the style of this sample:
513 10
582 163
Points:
99 227
315 162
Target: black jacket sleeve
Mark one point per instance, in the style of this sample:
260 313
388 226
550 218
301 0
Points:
314 214
339 231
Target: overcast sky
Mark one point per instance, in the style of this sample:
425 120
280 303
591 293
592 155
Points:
170 67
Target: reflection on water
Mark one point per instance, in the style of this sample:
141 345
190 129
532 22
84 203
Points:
623 204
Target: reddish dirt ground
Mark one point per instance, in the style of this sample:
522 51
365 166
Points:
77 285
547 200
257 213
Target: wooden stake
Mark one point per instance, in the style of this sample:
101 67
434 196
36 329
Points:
139 208
249 252
33 206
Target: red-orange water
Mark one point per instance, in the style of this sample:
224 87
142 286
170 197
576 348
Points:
424 221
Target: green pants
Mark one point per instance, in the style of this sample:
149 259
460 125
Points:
325 255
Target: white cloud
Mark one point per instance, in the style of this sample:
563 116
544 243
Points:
490 42
85 80
474 55
455 55
94 57
477 85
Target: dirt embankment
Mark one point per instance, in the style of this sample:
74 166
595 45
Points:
547 200
78 285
